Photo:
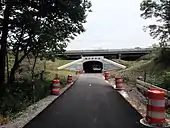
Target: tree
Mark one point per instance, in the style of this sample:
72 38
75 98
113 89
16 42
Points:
3 41
39 26
160 11
155 45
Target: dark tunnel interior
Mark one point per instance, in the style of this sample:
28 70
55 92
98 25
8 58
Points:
93 67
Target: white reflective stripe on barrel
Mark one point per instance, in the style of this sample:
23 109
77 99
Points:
156 115
119 80
56 84
55 89
119 86
156 103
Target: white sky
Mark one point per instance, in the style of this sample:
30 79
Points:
113 24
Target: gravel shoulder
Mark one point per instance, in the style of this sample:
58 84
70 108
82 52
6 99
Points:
135 98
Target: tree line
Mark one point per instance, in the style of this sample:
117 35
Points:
159 12
42 28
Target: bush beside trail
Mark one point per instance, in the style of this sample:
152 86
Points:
25 91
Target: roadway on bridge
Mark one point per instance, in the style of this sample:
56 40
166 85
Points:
89 103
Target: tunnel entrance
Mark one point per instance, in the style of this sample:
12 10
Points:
93 67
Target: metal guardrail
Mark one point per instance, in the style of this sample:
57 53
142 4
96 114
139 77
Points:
144 86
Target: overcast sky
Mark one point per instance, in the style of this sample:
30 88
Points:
113 24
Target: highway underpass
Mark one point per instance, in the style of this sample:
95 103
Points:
93 67
92 64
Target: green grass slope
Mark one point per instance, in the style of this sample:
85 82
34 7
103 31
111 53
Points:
151 67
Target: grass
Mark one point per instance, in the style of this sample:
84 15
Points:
136 70
54 65
153 71
52 68
123 62
62 73
17 97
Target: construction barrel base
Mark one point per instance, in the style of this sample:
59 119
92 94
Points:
119 89
145 123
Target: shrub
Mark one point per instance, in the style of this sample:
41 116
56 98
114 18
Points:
17 96
163 56
166 80
63 81
162 80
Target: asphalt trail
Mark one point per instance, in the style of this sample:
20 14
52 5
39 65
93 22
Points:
89 103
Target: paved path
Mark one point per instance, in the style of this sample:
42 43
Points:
90 103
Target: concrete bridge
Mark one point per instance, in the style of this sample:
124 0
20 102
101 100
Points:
92 64
126 54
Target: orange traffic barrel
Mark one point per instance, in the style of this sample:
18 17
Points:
156 106
69 79
106 75
104 72
78 72
56 87
119 83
